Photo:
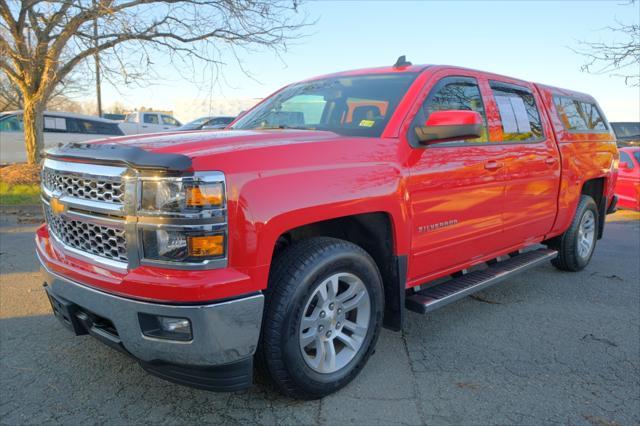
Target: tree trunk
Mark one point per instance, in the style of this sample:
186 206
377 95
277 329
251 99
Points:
33 129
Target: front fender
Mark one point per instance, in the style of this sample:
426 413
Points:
271 203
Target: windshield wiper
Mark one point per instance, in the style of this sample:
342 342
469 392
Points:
282 127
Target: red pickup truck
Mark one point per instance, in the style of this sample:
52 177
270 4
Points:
319 216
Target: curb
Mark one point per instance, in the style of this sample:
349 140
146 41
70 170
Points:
28 209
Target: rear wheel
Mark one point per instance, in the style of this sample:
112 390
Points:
575 247
322 318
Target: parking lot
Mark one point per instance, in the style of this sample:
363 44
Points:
545 347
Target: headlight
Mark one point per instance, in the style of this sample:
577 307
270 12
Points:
182 220
180 196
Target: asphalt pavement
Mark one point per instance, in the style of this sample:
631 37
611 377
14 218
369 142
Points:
546 347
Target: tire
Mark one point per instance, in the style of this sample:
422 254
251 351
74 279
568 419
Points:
572 252
295 294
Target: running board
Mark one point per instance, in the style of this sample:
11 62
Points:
432 298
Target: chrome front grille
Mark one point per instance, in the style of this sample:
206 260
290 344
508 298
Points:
99 240
86 210
93 211
92 188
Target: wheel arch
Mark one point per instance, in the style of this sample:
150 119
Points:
373 232
595 188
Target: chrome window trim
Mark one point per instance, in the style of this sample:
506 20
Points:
129 217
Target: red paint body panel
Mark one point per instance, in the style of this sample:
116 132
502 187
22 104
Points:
628 184
450 206
583 156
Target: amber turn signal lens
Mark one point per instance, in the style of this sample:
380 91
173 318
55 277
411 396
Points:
210 245
205 195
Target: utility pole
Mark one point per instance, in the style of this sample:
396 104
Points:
97 60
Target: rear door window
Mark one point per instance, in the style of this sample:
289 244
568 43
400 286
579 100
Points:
579 116
457 93
108 128
167 119
151 119
55 124
519 113
91 127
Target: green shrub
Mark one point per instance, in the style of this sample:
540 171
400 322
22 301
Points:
19 194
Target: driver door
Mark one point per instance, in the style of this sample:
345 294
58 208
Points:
456 188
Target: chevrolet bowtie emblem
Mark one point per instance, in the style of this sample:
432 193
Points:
57 207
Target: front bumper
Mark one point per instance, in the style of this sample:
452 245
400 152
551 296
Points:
219 356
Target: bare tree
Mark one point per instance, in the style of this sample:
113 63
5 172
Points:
11 97
620 58
42 42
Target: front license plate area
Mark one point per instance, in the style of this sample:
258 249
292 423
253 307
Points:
66 311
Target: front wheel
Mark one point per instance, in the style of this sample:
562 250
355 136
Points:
322 318
575 247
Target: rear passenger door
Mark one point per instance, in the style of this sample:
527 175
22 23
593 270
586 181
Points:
456 188
532 162
151 123
168 122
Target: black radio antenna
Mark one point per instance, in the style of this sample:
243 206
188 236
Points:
402 62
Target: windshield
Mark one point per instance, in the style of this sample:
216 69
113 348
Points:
354 106
636 154
626 130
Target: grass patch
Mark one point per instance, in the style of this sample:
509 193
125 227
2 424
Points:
19 194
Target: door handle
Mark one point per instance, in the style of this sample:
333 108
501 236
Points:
550 160
492 165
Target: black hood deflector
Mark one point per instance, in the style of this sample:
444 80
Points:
132 156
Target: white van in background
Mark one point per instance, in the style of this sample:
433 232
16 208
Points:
148 122
59 127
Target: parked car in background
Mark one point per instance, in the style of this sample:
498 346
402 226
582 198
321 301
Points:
627 133
58 127
148 122
628 184
115 117
207 123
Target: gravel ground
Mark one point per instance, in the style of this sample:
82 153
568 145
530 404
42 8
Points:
542 348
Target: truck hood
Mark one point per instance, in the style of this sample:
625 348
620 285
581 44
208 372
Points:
206 143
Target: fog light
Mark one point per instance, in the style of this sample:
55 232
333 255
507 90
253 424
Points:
162 327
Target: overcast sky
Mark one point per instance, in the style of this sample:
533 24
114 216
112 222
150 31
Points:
525 39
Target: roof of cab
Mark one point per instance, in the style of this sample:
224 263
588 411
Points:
373 71
419 68
566 92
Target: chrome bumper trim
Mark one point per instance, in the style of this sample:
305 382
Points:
223 332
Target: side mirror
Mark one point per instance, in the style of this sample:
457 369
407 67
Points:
443 126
